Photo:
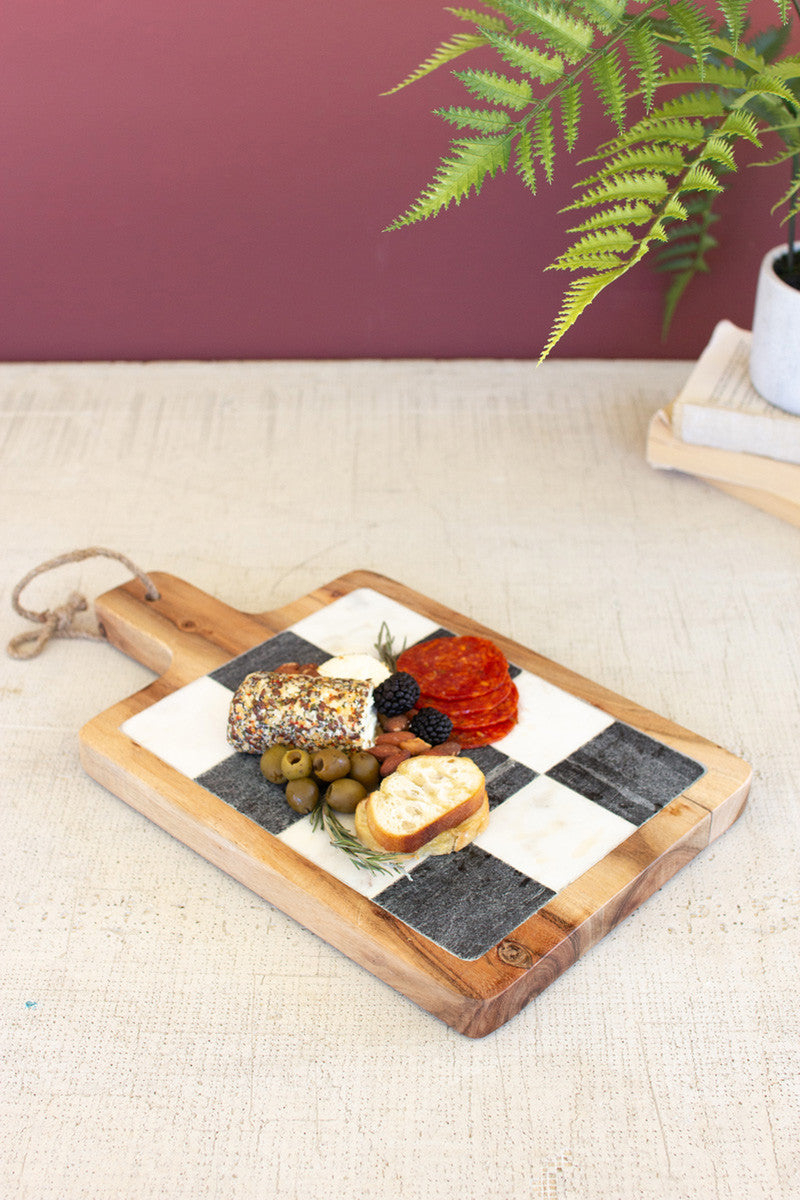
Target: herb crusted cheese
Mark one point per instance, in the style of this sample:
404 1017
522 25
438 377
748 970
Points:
305 711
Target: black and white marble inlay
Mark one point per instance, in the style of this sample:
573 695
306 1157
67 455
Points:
565 787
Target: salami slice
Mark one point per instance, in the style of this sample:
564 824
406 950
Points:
455 667
469 704
469 739
494 716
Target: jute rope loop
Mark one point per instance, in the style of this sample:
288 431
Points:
60 622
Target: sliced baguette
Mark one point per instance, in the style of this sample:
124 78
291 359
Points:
426 796
444 843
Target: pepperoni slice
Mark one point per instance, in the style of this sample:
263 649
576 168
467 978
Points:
455 667
494 716
470 704
469 739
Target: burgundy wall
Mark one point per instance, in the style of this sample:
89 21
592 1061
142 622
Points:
207 180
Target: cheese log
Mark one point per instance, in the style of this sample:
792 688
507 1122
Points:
304 711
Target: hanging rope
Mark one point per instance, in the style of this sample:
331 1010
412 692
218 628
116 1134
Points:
60 622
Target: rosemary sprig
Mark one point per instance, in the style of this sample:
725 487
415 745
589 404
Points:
385 647
323 817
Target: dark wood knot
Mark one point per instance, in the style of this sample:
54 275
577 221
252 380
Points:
513 954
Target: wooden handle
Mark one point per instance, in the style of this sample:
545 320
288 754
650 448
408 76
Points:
183 634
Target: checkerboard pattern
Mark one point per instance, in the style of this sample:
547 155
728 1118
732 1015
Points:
565 787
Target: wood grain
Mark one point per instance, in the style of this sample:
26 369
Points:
187 633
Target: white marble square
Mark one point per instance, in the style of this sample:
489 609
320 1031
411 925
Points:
350 625
551 833
187 729
552 724
315 845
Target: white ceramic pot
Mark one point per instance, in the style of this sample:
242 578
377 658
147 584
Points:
775 349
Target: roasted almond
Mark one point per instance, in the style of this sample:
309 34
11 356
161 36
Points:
391 763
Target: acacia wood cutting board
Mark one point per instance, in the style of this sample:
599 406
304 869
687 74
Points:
596 802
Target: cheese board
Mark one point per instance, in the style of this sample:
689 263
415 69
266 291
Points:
595 801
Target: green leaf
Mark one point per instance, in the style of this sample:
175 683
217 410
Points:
570 104
616 240
579 295
544 142
636 186
699 179
610 84
740 123
486 120
524 160
693 24
497 89
645 54
733 11
460 43
663 158
532 62
557 29
631 213
478 18
460 173
607 15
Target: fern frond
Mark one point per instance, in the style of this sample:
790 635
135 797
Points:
544 142
716 74
644 53
616 240
460 43
478 18
523 161
497 89
700 178
532 62
579 295
609 81
606 15
734 13
486 120
636 186
718 150
459 174
791 194
683 254
570 103
660 157
637 213
557 29
693 24
741 124
767 84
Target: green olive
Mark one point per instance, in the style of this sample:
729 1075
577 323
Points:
296 764
365 769
271 764
344 795
302 794
330 764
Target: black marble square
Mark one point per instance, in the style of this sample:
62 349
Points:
284 647
466 902
627 772
238 781
504 776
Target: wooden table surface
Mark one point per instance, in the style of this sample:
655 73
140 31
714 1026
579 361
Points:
168 1034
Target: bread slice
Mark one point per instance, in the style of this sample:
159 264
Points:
444 843
426 796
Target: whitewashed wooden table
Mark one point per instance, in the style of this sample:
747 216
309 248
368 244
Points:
166 1033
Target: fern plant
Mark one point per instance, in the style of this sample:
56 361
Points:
682 92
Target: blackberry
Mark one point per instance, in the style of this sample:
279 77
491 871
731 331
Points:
396 695
431 725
